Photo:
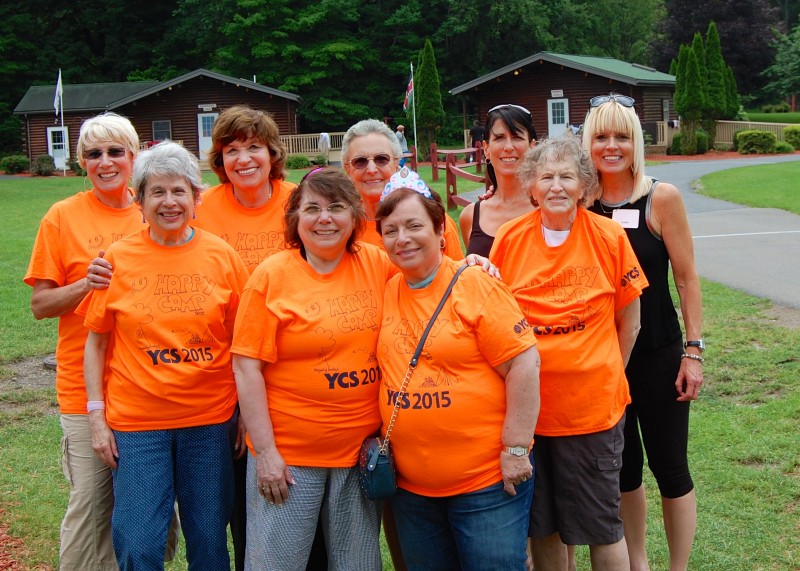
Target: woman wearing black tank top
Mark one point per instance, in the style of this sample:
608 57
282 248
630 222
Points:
508 134
664 374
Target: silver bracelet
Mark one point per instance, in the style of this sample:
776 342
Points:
692 356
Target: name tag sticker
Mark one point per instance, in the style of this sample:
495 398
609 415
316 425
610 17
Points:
628 218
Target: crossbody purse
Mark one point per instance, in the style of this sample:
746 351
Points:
376 471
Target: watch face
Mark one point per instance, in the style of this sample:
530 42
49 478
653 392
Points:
699 344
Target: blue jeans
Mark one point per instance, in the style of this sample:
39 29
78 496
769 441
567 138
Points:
156 467
487 529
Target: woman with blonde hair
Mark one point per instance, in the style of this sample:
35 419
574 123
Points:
74 232
664 373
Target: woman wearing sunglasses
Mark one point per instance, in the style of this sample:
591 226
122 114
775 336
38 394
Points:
508 134
307 375
664 373
73 233
371 155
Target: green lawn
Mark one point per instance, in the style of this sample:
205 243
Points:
759 117
744 444
768 186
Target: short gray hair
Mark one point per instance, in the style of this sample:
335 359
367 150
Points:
565 148
167 159
365 127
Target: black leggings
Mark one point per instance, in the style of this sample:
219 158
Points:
664 423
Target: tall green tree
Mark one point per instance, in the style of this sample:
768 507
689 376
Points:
693 103
732 104
785 72
743 26
680 80
428 99
714 85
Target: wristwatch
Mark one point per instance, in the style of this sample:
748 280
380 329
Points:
516 450
699 344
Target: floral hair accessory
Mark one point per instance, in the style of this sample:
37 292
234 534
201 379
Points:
406 178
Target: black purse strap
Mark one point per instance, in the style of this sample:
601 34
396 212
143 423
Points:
415 359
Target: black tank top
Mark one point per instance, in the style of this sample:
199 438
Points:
659 320
479 242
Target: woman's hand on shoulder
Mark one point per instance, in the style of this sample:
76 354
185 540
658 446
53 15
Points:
98 275
273 476
485 264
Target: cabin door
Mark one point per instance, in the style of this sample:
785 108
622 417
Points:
557 117
205 122
57 146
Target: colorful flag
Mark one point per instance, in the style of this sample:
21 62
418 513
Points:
409 92
58 100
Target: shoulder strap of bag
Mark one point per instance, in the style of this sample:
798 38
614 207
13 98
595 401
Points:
415 358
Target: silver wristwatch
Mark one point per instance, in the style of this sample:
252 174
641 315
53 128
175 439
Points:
516 450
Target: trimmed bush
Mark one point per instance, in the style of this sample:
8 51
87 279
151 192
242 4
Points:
43 165
297 162
320 160
755 142
702 143
783 147
15 164
736 138
75 167
781 107
791 135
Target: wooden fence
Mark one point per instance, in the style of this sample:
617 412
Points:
726 129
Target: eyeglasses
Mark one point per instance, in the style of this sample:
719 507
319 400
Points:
315 210
520 107
360 163
113 153
623 100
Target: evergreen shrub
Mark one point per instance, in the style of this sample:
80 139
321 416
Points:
15 164
755 142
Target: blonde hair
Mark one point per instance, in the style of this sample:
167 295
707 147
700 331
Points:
107 127
613 117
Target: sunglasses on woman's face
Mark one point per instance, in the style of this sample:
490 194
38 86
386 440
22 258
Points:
113 152
360 163
623 100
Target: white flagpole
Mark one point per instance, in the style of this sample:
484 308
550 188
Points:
59 103
414 108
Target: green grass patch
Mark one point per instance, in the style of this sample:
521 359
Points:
764 186
760 117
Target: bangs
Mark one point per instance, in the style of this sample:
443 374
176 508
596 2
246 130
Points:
613 118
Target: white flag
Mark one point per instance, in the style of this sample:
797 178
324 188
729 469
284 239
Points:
58 100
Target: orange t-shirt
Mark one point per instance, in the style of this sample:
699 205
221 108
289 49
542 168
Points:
569 295
255 233
318 334
170 312
452 246
71 234
447 437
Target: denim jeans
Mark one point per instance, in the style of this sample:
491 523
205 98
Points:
486 529
156 467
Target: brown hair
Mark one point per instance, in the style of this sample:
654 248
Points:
333 184
433 206
240 123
